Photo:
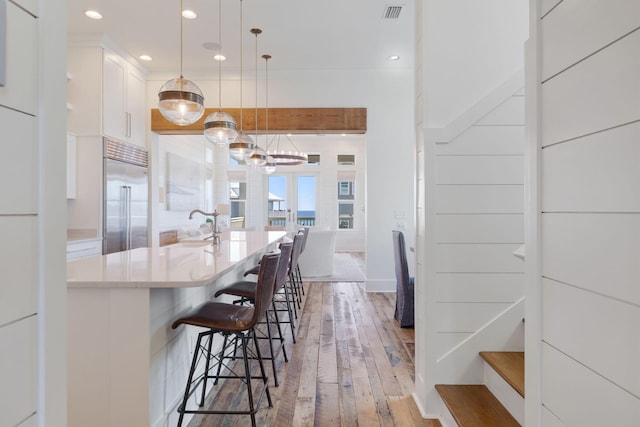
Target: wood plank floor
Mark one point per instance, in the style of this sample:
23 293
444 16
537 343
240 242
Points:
351 366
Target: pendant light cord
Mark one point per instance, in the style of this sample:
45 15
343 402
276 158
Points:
256 33
220 55
181 19
266 100
241 125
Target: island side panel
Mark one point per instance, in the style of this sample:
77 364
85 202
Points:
108 357
172 349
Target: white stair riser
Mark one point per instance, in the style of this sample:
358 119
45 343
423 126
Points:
446 418
502 390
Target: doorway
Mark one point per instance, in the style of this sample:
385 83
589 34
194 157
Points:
292 200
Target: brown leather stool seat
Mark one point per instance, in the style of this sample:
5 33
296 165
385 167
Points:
237 322
246 291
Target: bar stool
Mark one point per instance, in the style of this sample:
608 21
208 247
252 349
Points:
295 279
305 233
289 288
238 322
246 291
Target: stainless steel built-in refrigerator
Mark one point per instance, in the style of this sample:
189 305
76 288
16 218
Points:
125 205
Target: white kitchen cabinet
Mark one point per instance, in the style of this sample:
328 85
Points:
71 166
83 249
107 92
136 106
124 100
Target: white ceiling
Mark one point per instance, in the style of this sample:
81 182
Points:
299 34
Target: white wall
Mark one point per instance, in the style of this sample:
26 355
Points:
32 217
470 144
389 155
479 223
587 146
470 47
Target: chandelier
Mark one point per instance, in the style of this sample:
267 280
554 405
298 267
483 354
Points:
287 157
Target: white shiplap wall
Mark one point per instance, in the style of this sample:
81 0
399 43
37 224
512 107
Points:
18 221
32 216
590 212
479 223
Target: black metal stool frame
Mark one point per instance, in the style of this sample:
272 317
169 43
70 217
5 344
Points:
239 323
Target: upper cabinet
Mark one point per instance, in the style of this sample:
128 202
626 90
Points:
124 100
107 93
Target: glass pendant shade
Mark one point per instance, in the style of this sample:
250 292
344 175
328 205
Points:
181 101
269 167
258 158
220 128
242 148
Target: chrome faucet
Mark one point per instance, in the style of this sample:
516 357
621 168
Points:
215 235
201 212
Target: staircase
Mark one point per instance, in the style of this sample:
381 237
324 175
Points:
499 402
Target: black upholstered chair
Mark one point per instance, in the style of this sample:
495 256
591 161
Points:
404 284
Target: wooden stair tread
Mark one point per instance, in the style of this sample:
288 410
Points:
475 406
510 366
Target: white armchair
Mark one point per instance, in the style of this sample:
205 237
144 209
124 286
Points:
317 258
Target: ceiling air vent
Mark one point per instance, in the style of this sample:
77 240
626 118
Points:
392 11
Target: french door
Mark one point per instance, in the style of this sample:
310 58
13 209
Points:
292 199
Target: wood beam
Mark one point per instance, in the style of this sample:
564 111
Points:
281 120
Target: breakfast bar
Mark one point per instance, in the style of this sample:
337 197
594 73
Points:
126 366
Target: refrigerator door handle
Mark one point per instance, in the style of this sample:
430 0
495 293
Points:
128 217
123 216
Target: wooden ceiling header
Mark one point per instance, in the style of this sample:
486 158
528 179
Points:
281 120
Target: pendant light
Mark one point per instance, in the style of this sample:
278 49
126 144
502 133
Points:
270 165
219 127
259 156
180 100
243 147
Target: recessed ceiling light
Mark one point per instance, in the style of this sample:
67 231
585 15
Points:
145 57
189 14
219 57
211 46
93 14
393 58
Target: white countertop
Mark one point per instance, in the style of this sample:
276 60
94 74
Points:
174 266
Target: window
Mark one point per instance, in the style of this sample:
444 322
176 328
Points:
237 202
345 215
346 159
346 198
344 188
313 159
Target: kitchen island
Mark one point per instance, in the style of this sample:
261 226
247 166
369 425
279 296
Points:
126 366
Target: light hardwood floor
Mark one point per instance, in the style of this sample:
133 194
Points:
351 366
